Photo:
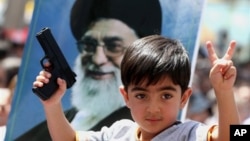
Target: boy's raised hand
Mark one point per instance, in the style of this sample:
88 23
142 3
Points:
43 78
223 73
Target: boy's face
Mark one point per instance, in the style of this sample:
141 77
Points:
155 107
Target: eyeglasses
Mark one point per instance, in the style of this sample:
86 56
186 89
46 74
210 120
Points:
112 47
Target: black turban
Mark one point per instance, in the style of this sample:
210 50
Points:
144 16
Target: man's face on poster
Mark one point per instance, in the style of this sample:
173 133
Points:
103 46
97 66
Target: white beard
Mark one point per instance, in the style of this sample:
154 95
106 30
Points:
94 99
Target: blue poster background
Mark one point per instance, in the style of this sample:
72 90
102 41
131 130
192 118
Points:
180 19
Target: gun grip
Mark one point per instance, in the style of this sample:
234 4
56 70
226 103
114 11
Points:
48 89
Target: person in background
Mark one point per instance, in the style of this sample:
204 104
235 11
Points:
155 88
5 99
199 108
9 67
4 48
17 39
242 96
3 78
242 91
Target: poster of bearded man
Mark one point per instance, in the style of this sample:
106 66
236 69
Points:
79 27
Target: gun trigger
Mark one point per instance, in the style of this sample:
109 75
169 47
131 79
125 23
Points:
45 63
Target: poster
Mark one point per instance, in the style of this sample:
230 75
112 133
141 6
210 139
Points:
177 19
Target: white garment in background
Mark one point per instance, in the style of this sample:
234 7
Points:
2 132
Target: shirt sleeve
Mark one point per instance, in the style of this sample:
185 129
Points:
202 132
92 135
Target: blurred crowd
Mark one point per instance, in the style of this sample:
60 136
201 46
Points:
202 103
235 25
12 43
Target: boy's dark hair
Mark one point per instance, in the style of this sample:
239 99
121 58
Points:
150 58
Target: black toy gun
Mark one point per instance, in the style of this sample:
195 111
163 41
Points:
58 65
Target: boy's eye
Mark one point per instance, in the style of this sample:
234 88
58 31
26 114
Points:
140 96
167 96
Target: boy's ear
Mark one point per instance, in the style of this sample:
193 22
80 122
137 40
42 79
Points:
185 97
124 95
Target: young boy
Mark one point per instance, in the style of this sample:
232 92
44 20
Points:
155 73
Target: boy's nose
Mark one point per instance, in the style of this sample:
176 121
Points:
99 57
153 107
